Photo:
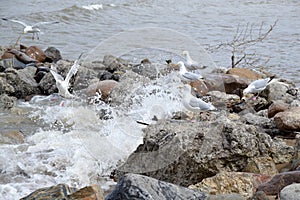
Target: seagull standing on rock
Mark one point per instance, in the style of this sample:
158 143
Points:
257 86
34 29
63 84
194 104
191 64
188 76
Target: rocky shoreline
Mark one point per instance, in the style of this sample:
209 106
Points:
247 149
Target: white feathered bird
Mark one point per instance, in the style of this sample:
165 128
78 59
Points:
190 63
186 75
34 29
194 104
256 86
64 84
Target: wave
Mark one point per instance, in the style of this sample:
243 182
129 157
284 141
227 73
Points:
93 7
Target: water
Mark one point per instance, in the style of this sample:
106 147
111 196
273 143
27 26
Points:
67 141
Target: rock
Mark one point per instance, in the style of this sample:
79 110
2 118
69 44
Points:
234 84
254 119
244 73
11 137
108 76
232 196
133 186
260 195
84 77
288 120
93 192
261 165
279 181
102 87
277 90
36 53
113 63
47 84
23 82
231 182
290 192
22 57
6 102
56 192
199 87
53 54
276 107
63 191
185 152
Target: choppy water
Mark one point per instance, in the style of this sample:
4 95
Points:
73 145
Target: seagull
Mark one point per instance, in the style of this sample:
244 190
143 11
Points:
63 84
188 76
257 86
34 29
194 104
191 64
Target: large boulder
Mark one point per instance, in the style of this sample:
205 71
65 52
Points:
133 186
290 192
276 107
288 120
278 90
184 152
244 73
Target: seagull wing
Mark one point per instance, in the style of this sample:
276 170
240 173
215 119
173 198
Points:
191 76
56 76
43 23
260 84
73 69
16 21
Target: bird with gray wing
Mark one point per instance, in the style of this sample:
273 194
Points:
64 84
34 29
194 104
257 86
186 75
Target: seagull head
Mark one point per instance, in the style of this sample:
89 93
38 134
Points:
185 53
181 66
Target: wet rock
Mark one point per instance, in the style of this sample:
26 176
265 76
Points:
200 87
133 186
53 54
288 120
279 181
234 84
6 102
108 76
22 81
22 57
93 192
185 152
244 73
261 165
232 196
84 77
290 192
11 137
231 182
56 192
113 63
36 53
276 107
104 88
277 90
47 84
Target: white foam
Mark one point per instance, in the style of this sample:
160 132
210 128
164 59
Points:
93 7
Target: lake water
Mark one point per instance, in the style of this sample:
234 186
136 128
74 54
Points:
51 155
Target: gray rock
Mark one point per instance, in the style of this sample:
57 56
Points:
138 187
290 192
53 54
185 152
6 102
232 196
113 63
277 90
23 82
47 84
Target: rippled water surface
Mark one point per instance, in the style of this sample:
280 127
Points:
67 141
83 25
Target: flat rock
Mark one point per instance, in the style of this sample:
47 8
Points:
244 73
276 107
290 192
231 182
288 120
133 186
279 181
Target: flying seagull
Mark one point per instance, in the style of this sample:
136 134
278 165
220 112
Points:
194 104
34 29
188 76
63 84
257 86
